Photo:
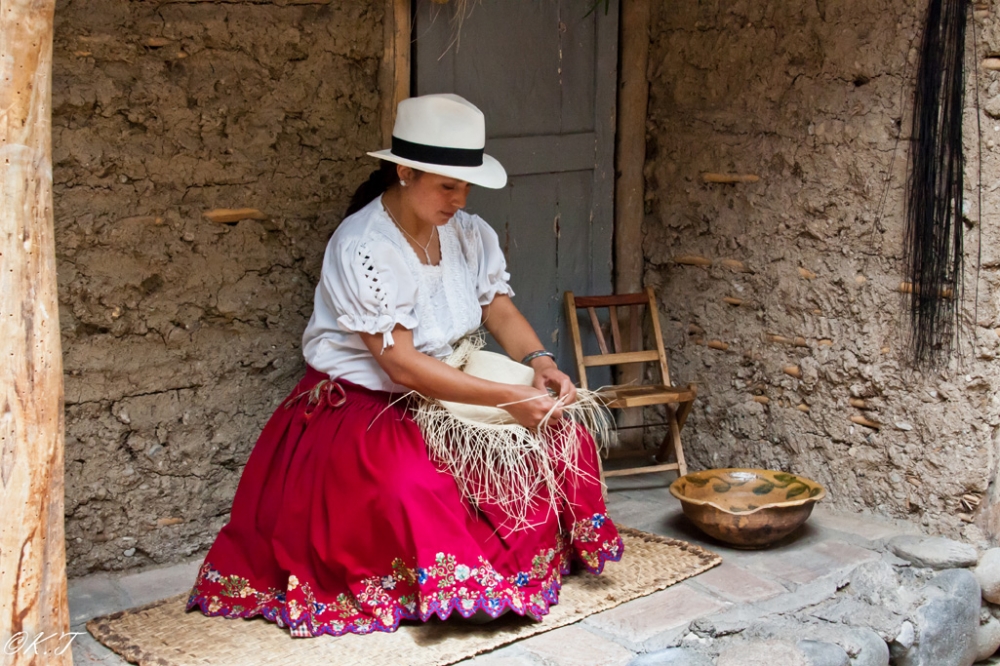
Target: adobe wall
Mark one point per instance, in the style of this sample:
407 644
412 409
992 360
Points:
181 335
810 96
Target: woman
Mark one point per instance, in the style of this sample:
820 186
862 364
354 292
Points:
342 522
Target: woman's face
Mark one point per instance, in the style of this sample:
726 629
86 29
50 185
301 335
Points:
432 198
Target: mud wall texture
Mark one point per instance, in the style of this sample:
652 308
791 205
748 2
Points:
181 334
782 297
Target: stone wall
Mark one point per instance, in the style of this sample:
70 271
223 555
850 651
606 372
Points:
180 334
813 97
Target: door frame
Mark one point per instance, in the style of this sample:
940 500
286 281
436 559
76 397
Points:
394 70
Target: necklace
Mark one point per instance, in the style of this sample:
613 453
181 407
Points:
426 248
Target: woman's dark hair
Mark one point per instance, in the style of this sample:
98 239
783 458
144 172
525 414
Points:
377 183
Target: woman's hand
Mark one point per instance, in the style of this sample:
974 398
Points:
548 376
518 339
531 405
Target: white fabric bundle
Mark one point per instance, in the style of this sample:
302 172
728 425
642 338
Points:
496 460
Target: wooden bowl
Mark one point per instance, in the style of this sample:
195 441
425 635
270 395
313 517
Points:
748 508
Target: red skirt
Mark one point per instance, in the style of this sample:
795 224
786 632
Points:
341 523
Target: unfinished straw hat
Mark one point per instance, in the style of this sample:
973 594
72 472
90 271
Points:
443 134
492 457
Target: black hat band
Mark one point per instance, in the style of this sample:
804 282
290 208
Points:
419 152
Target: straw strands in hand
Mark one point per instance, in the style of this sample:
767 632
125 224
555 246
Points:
496 461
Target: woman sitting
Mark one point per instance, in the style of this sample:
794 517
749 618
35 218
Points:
342 521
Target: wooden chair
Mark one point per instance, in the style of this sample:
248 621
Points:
678 401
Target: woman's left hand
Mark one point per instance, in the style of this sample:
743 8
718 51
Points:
516 336
550 377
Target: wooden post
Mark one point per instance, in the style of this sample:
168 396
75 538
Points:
394 73
630 153
35 618
630 159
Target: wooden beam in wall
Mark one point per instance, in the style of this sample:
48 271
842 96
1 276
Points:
394 74
630 153
630 160
32 543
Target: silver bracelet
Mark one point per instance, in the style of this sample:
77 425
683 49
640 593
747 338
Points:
536 354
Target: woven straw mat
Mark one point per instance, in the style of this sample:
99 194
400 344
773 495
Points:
163 634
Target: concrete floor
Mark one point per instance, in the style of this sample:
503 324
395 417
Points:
800 571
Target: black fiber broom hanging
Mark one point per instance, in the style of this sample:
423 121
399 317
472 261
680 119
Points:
933 251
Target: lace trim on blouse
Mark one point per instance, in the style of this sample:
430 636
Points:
456 306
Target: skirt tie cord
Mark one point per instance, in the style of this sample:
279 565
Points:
326 391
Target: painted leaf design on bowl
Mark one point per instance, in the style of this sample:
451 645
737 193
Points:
796 490
764 488
721 485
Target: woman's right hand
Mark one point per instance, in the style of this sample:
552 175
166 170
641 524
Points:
531 412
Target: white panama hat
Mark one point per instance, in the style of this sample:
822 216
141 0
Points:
443 134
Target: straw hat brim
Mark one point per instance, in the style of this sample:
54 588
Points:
490 175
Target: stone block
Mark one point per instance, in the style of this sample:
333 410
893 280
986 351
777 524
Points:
947 623
823 559
736 619
631 512
934 552
88 652
867 527
804 596
737 584
903 641
762 653
821 653
868 647
154 584
877 583
852 611
864 646
575 646
639 620
987 639
510 655
987 572
91 596
672 657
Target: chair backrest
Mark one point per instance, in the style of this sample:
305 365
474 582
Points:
617 354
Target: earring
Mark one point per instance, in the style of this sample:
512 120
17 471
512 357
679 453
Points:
403 183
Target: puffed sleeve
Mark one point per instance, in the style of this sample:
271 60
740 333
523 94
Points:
369 288
492 277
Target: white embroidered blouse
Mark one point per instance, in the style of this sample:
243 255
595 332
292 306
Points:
373 280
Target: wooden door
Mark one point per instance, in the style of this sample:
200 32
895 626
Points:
544 73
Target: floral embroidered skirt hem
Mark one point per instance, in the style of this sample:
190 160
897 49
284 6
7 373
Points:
342 524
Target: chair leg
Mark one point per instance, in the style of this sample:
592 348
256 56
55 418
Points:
666 446
675 438
683 411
